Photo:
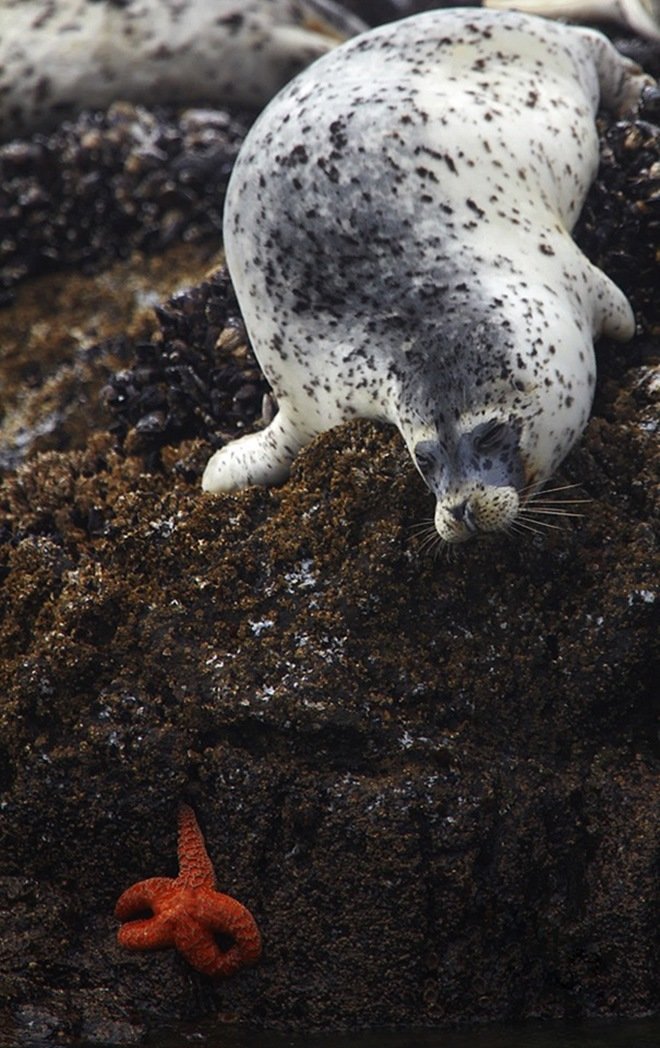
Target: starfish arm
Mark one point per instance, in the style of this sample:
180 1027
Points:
197 944
224 915
145 933
152 933
141 896
195 867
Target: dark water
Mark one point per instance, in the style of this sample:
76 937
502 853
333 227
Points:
643 1034
212 1034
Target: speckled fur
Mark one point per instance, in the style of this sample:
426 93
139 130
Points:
397 230
59 55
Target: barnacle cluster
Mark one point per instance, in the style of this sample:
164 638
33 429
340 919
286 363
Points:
197 376
108 183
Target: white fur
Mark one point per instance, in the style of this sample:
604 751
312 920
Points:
397 227
59 55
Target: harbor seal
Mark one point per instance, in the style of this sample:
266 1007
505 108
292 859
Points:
397 228
59 55
641 16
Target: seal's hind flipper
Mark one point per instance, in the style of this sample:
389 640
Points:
621 80
613 315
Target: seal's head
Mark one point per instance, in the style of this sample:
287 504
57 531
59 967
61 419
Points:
490 419
476 474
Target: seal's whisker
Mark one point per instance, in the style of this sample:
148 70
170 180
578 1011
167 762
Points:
557 502
421 525
546 491
428 547
427 539
539 523
560 487
522 522
452 552
511 530
534 486
552 512
425 527
518 525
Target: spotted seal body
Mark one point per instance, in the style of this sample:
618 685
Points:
397 230
59 55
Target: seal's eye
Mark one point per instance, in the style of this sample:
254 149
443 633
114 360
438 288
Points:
490 436
425 456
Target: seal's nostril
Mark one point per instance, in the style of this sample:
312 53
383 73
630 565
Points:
463 513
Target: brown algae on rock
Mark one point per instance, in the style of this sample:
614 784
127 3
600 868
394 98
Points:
439 774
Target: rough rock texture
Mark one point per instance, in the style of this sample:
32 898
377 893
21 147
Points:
107 183
53 368
432 779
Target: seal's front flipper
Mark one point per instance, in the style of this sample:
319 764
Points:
262 458
613 315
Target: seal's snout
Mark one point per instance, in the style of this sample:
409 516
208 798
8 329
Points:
483 509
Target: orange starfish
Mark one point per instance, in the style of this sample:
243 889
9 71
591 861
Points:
187 911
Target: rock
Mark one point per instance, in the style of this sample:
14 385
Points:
431 779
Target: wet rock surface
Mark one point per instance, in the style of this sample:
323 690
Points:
432 779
